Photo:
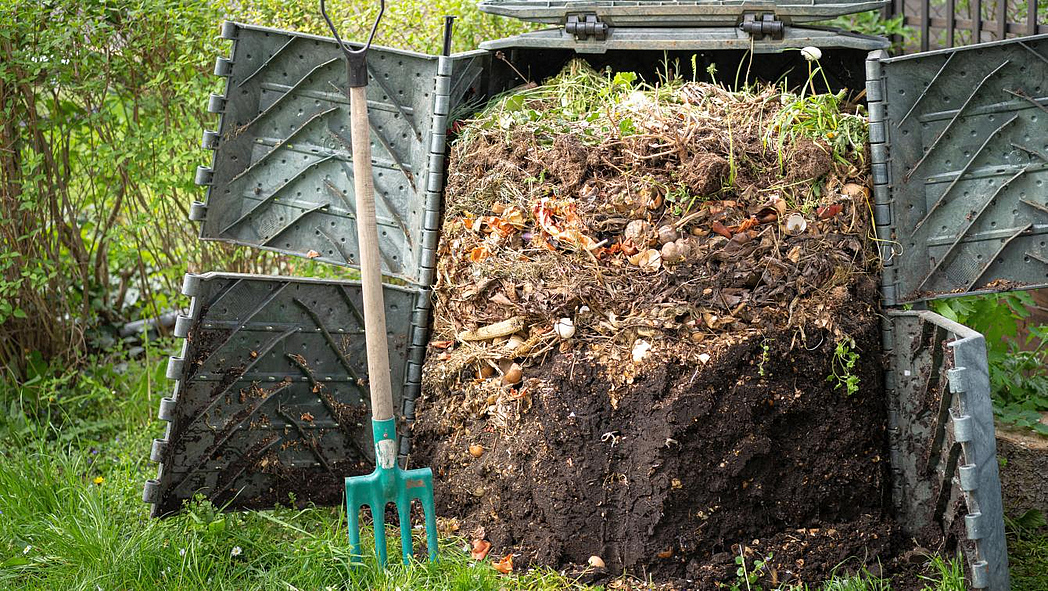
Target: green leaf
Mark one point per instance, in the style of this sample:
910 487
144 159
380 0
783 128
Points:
217 526
624 79
514 103
943 308
14 561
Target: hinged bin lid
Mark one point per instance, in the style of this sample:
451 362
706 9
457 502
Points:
959 143
674 13
271 391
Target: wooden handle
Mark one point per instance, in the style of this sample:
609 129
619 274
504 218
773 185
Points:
370 267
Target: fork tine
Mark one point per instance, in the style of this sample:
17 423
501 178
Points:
378 517
353 523
406 546
431 526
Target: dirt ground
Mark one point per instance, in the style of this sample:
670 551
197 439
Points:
1025 464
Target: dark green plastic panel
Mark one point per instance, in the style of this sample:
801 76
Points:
673 13
942 442
281 178
271 391
959 140
694 39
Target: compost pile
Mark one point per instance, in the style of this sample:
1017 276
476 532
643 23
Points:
655 337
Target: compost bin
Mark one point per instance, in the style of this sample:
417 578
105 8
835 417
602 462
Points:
268 404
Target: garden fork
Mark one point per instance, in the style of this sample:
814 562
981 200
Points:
388 483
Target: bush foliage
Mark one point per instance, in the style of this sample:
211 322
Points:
103 104
100 106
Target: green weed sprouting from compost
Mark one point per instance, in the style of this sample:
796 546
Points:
596 107
822 117
746 578
765 354
581 94
845 358
574 100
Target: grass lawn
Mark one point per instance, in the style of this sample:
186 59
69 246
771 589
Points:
1028 556
73 518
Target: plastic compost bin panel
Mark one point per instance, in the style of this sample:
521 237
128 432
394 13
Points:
282 173
724 37
674 13
271 394
943 448
960 160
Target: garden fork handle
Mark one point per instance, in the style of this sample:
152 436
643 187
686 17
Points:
370 267
367 230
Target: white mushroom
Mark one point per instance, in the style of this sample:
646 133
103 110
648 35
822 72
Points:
811 53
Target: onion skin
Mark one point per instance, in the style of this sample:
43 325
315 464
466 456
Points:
513 375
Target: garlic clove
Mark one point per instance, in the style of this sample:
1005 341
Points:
564 328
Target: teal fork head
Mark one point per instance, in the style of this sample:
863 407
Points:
389 484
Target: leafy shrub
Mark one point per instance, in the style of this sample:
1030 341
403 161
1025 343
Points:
417 26
101 103
872 23
1018 375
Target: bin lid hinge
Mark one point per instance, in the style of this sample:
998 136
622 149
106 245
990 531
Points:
762 25
586 25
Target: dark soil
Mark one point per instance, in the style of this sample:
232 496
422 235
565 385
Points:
669 475
1023 482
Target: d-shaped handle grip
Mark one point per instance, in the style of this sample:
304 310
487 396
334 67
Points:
356 59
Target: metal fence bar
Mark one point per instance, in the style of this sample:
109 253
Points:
1012 28
1031 17
976 8
926 8
951 20
1002 18
898 7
